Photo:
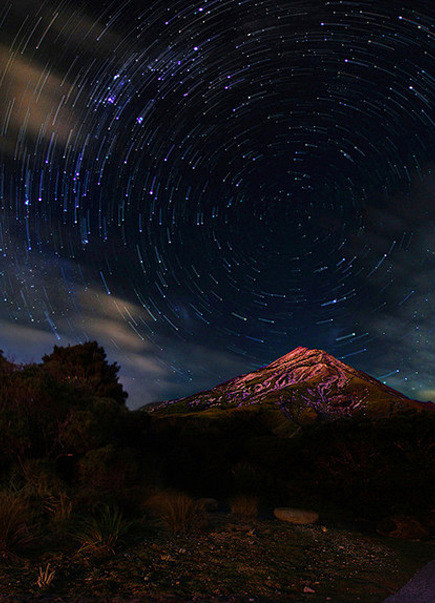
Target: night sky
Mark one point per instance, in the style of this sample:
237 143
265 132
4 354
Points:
204 186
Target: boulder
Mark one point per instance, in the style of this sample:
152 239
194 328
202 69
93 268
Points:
298 516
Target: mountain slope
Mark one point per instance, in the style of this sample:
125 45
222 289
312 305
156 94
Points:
304 385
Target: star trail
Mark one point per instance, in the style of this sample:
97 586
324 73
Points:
204 186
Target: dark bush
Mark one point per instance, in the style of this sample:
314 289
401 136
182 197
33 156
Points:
85 366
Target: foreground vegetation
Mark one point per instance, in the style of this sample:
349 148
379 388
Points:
97 501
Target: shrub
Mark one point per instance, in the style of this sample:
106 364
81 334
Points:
40 478
244 507
15 517
176 511
108 469
101 533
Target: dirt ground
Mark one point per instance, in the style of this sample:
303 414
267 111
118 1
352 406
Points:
228 560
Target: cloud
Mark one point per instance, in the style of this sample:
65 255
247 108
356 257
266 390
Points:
106 317
40 74
48 302
34 101
427 395
24 342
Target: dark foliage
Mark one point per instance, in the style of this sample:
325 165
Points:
367 469
65 422
6 367
85 366
69 444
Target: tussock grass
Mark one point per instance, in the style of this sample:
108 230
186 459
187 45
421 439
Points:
102 532
177 511
59 507
15 519
244 507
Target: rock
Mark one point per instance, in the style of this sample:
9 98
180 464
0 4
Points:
298 516
307 589
402 526
207 504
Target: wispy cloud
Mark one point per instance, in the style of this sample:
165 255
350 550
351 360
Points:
39 89
50 309
34 102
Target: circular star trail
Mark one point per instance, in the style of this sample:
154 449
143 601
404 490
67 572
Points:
238 177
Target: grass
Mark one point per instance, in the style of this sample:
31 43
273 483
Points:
15 520
45 577
102 532
244 507
59 507
176 511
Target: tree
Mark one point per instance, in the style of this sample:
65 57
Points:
6 367
85 366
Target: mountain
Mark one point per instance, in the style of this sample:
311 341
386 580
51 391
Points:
303 385
306 429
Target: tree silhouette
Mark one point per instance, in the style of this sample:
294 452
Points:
6 367
85 366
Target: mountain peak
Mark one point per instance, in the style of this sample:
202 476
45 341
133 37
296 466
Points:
301 353
305 363
297 352
304 377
